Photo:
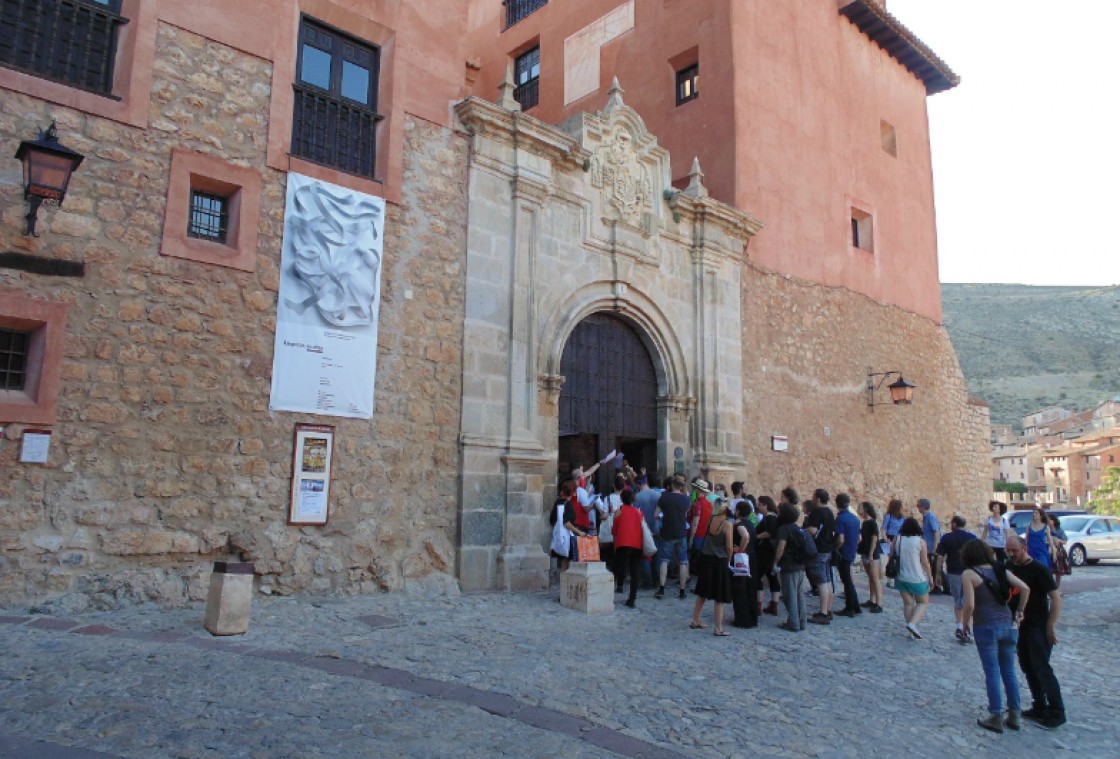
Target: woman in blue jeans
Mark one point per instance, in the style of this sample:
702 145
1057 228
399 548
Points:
994 628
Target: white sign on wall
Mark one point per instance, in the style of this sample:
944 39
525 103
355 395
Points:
325 358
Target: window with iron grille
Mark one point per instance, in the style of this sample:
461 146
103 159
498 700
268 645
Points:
527 77
519 9
68 41
336 99
15 347
688 83
209 217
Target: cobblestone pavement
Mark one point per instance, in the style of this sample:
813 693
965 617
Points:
517 675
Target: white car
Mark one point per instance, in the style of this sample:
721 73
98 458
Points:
1091 538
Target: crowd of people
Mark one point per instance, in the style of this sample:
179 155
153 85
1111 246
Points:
764 557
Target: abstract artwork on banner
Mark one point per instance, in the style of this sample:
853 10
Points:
325 359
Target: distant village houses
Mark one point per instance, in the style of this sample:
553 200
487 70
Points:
1061 455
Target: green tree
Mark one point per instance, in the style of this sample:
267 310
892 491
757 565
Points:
1106 498
1002 486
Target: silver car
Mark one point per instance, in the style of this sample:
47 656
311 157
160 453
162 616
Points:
1091 538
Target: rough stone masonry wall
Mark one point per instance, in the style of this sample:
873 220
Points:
165 453
808 351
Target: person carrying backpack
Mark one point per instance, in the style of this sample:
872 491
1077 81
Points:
988 588
790 558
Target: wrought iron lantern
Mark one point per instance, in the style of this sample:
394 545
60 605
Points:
47 167
902 392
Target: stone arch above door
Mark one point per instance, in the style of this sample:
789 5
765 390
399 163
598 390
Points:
661 340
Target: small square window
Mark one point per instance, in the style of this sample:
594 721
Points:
527 77
15 348
688 83
209 217
31 346
888 138
213 210
862 231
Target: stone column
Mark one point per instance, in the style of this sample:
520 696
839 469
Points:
674 413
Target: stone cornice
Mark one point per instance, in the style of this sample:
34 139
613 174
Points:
737 223
704 211
481 117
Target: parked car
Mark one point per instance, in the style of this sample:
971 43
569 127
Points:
1091 538
1020 519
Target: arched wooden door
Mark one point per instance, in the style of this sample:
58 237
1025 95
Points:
608 399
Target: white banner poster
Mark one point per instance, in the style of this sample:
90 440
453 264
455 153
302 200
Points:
325 357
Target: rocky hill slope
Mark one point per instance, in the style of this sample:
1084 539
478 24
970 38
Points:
1022 347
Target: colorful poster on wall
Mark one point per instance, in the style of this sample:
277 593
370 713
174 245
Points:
311 474
325 357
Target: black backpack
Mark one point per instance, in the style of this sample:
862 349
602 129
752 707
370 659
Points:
803 548
1001 588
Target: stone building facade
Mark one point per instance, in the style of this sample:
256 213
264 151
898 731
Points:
164 455
504 236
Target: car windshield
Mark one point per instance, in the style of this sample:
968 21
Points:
1074 524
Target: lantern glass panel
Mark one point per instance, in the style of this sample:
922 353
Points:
49 172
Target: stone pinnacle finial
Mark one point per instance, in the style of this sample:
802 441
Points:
615 99
506 88
696 186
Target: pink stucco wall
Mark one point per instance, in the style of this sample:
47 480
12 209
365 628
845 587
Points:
787 126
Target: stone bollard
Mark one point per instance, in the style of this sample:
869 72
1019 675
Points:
587 586
231 591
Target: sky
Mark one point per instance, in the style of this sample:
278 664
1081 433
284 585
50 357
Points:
1026 149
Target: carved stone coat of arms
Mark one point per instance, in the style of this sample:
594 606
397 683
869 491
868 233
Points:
624 181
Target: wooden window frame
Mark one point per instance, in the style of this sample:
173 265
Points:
527 92
690 76
325 123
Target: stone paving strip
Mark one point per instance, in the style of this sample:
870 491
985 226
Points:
496 704
494 675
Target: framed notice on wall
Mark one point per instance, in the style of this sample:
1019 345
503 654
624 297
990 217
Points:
311 474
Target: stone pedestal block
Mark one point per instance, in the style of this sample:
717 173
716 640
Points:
227 605
523 568
587 586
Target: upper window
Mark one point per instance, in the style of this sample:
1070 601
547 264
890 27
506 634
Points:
688 83
68 41
335 99
519 9
888 138
527 76
862 231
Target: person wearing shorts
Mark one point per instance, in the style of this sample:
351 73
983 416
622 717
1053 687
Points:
913 574
673 507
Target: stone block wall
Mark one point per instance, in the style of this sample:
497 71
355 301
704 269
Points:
164 454
809 350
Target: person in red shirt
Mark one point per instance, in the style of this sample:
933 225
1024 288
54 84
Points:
699 515
627 531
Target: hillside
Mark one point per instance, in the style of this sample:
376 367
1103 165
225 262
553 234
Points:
1022 348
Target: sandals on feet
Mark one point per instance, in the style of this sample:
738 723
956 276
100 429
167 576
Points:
722 634
697 626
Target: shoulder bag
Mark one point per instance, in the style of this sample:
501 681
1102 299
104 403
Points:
561 538
894 563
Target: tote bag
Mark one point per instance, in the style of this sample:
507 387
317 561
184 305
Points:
741 565
561 538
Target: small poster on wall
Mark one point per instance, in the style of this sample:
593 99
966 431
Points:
36 447
311 474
